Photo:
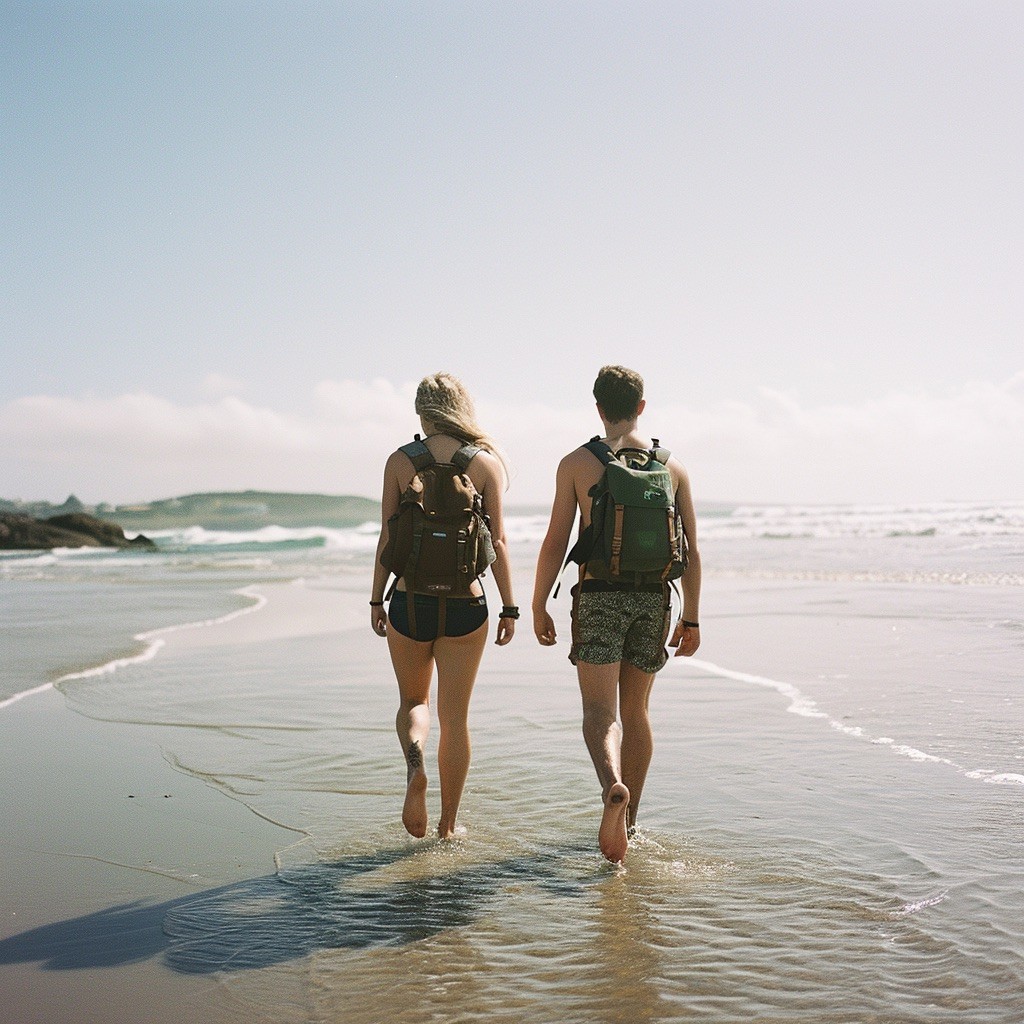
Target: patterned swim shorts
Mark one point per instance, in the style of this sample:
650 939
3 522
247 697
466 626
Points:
621 625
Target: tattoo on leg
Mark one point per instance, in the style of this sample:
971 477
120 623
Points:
415 755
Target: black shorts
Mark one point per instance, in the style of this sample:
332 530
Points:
462 615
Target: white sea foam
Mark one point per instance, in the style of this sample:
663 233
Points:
153 641
960 520
799 704
802 705
152 646
17 559
913 908
359 538
7 701
997 778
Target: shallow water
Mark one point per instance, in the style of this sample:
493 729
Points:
831 829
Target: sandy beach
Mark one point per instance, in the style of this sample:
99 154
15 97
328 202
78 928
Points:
214 832
98 827
252 249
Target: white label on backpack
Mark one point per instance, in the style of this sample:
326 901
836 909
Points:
443 536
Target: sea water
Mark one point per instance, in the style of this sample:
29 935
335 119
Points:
831 829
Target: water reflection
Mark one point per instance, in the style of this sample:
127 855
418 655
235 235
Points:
551 933
269 920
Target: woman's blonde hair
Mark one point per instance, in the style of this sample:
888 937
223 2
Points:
443 401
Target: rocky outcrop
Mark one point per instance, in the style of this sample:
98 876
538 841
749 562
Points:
74 530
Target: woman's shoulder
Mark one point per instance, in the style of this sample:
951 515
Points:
486 460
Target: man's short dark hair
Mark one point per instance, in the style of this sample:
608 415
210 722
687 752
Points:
618 392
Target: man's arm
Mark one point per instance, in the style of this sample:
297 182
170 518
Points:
552 551
686 639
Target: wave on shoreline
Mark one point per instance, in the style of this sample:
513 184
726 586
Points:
152 640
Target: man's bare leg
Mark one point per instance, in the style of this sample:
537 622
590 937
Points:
414 665
458 659
599 685
637 739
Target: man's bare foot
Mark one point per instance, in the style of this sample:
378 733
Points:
612 835
414 813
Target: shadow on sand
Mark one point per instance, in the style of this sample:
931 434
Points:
277 918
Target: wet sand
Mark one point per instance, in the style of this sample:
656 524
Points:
783 865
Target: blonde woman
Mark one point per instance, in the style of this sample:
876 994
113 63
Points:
448 420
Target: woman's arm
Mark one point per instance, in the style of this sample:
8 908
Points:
501 567
390 496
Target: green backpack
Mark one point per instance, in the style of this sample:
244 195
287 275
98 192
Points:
635 534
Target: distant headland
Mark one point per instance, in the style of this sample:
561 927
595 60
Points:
20 532
229 510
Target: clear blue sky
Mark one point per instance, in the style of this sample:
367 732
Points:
234 233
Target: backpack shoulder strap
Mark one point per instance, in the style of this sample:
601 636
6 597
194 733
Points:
600 450
464 456
418 454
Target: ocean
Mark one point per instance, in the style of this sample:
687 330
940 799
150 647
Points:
831 831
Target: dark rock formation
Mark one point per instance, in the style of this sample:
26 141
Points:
75 530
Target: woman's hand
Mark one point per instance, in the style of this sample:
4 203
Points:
379 620
506 630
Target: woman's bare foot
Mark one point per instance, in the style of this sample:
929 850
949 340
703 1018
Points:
612 835
414 813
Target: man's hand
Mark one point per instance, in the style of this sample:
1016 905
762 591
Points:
685 639
544 627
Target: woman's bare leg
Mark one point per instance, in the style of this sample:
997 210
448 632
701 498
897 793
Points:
458 659
413 662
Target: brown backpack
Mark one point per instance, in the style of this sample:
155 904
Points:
439 540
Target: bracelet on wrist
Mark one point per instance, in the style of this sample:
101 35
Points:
376 604
691 625
509 611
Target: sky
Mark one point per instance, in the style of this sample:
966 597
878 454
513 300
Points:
236 234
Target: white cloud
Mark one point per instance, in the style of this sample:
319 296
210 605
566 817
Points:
377 404
903 447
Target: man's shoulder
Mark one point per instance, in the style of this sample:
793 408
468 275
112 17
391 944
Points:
579 458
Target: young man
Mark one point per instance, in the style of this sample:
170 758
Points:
620 630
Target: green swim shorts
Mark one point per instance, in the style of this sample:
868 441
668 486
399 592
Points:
612 624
